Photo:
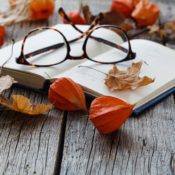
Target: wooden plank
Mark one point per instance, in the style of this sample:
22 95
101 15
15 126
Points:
30 145
143 145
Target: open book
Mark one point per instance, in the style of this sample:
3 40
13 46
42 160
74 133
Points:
160 62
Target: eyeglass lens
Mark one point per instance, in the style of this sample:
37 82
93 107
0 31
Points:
41 54
108 39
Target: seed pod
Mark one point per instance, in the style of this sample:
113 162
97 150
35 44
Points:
65 94
124 7
76 18
146 13
41 9
109 113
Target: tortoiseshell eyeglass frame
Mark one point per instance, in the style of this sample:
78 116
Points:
22 59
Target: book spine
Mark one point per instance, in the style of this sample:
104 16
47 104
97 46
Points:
153 102
43 90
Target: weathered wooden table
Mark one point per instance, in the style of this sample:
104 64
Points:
67 143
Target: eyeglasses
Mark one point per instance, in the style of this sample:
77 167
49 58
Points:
56 49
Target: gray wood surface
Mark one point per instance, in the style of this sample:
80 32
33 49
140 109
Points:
29 145
144 145
67 143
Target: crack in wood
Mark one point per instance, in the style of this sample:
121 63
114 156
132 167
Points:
61 145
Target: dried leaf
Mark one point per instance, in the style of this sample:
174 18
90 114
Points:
170 26
164 30
154 28
88 16
127 25
26 11
22 104
110 18
19 12
6 82
157 29
126 80
168 30
113 18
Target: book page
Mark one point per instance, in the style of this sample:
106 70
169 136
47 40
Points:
159 64
37 42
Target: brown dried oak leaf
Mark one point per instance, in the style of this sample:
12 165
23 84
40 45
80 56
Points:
126 80
109 17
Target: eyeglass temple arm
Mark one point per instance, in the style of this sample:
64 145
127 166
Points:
46 49
63 14
110 44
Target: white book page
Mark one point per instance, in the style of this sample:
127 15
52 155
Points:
160 60
51 72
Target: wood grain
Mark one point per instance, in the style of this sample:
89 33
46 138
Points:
29 145
57 143
144 145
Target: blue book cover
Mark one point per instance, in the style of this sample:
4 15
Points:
144 107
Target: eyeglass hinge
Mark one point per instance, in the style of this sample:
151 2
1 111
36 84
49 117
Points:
132 55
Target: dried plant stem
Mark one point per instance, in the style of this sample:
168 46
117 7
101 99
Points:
19 12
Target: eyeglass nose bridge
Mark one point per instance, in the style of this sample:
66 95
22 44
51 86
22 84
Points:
83 56
80 57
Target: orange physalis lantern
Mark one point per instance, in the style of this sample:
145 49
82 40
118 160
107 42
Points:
65 94
109 113
41 9
135 2
146 13
2 33
75 17
124 6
